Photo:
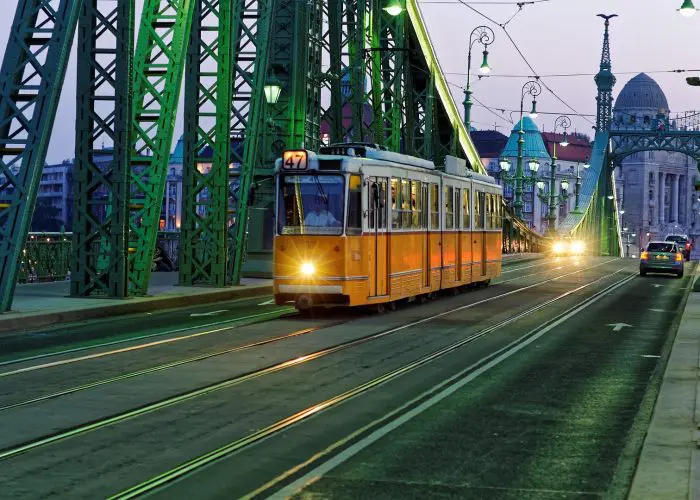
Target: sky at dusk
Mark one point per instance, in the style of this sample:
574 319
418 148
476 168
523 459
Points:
556 36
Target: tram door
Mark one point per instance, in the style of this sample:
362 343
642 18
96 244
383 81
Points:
379 242
425 224
457 204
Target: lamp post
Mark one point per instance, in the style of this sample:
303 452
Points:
484 35
515 179
563 122
577 207
534 89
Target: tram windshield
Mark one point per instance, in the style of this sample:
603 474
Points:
311 204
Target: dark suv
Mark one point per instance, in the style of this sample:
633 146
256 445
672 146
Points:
683 243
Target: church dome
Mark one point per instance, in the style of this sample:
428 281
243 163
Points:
642 93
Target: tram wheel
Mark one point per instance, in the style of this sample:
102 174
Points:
381 309
392 305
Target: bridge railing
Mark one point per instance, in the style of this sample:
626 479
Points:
597 222
46 256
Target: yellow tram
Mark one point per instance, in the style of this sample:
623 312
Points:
358 225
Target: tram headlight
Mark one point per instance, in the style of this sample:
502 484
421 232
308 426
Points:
308 269
578 247
559 247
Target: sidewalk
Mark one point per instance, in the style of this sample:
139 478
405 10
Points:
39 304
669 465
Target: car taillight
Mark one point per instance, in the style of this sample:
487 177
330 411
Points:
645 255
679 257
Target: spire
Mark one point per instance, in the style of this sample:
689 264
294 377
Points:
605 81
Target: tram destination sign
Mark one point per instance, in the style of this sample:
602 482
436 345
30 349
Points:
295 160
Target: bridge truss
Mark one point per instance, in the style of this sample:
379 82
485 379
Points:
348 64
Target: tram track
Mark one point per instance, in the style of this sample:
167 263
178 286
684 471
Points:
287 312
239 379
433 395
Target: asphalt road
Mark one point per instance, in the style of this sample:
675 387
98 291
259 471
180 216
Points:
536 387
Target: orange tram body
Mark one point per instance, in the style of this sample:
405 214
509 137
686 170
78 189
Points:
357 225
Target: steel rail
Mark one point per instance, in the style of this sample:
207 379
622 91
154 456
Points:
179 330
167 341
238 379
134 339
283 424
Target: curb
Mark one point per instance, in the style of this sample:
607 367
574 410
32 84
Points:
19 323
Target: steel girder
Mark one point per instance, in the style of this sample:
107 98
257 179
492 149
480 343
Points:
207 146
101 171
348 73
252 25
625 143
158 69
31 78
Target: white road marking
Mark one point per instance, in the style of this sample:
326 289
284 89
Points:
650 356
658 310
268 303
517 345
212 313
619 326
655 285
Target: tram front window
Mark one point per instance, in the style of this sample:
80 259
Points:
311 204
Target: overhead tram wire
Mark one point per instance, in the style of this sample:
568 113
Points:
522 56
562 75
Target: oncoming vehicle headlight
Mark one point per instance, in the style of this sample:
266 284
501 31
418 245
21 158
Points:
559 247
578 247
308 269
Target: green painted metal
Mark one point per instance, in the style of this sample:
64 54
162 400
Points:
208 104
389 54
158 70
31 78
45 257
627 142
252 35
103 126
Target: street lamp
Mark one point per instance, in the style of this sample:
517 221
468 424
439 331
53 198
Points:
554 199
394 8
577 207
484 35
687 9
533 88
272 89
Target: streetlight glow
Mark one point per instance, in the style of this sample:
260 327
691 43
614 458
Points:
540 185
687 9
534 165
394 9
564 142
564 184
505 164
484 68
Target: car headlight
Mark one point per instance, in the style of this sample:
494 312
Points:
559 247
578 247
308 269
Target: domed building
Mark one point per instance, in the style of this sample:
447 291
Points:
655 186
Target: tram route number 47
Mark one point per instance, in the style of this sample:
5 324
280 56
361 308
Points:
295 160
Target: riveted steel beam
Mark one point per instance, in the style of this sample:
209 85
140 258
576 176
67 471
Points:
31 79
101 171
158 69
207 147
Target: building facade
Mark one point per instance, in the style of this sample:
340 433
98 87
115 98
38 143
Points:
656 188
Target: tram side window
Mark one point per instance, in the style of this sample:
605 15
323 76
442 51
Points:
449 208
479 201
434 207
406 204
416 204
377 204
488 214
458 212
355 205
499 210
465 209
395 203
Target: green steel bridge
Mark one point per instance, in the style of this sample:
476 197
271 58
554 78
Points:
370 74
